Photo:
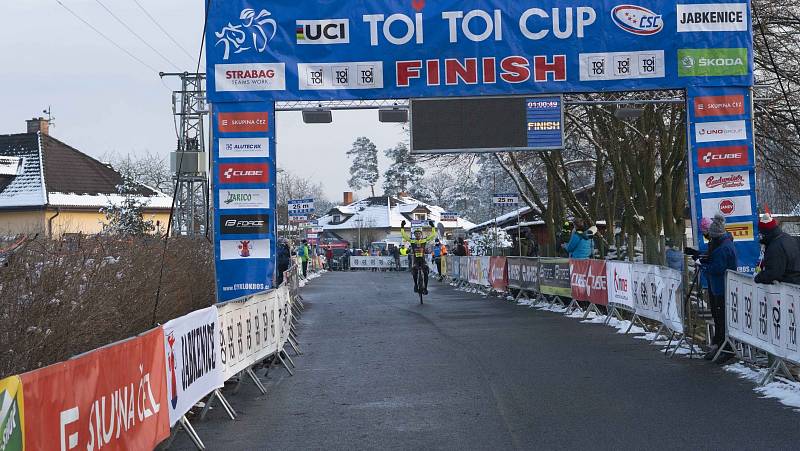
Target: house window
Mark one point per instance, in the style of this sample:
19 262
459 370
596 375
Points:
420 216
337 219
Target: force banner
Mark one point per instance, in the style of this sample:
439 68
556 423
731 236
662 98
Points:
554 277
588 281
523 273
191 345
387 49
114 397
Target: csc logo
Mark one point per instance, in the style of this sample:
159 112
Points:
637 20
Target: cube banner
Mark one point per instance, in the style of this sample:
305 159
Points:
396 49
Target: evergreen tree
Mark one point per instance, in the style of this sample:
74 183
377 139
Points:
404 174
364 170
127 217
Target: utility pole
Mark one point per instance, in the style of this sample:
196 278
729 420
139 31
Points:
189 163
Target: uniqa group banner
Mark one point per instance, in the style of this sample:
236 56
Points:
498 273
12 415
390 49
192 349
657 294
588 281
523 273
763 316
114 397
554 278
618 278
251 331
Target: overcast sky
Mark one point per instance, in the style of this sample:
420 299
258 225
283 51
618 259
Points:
105 101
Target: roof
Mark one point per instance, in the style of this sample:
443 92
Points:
56 174
383 212
512 215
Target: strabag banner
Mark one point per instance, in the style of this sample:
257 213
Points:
764 316
554 277
379 49
114 397
722 166
192 352
244 193
523 273
12 415
658 294
588 281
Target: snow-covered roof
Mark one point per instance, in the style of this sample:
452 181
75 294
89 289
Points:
503 218
103 200
27 188
383 212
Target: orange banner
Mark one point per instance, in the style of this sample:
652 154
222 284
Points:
111 398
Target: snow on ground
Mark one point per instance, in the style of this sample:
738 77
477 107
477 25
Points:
786 392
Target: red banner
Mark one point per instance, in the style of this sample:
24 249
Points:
588 281
111 398
498 273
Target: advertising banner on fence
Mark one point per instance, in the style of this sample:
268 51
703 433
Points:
453 266
376 262
114 397
383 49
192 347
498 273
523 273
554 277
618 277
12 415
588 281
463 268
658 295
483 271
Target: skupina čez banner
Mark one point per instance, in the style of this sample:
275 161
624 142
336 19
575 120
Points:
763 316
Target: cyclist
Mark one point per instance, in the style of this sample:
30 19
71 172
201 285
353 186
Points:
418 252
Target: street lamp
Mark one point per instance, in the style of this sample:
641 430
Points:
359 222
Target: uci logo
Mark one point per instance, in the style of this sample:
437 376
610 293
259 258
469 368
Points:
637 20
332 31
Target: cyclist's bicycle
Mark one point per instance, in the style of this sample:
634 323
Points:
420 273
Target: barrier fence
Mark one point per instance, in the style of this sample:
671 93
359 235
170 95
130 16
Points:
129 394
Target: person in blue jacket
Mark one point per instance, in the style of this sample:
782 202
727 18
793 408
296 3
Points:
580 245
720 258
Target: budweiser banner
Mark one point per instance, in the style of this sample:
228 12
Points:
588 281
618 276
523 273
12 415
554 277
498 273
192 348
111 398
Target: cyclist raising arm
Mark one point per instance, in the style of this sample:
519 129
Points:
418 252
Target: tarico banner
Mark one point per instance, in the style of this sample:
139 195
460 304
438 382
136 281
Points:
114 398
588 281
377 49
498 273
192 349
523 273
554 277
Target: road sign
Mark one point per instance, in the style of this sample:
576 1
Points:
449 216
510 199
300 207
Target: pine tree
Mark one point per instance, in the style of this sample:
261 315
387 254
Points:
364 170
404 175
127 217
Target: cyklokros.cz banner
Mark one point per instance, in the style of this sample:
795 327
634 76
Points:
588 281
111 398
194 369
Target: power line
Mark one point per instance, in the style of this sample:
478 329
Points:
137 35
153 19
104 36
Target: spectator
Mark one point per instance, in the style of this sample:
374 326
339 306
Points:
721 257
329 257
781 253
346 259
461 249
395 252
580 246
304 253
284 259
674 256
437 254
403 253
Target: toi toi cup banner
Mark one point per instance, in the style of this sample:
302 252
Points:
721 166
244 198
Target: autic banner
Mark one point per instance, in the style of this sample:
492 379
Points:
111 398
192 348
385 49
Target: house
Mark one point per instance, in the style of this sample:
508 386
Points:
379 218
49 187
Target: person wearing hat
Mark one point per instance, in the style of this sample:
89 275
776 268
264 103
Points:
580 245
721 257
438 253
781 253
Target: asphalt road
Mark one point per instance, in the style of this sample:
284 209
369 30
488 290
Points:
467 372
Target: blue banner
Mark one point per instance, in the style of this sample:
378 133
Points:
722 168
244 198
372 49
